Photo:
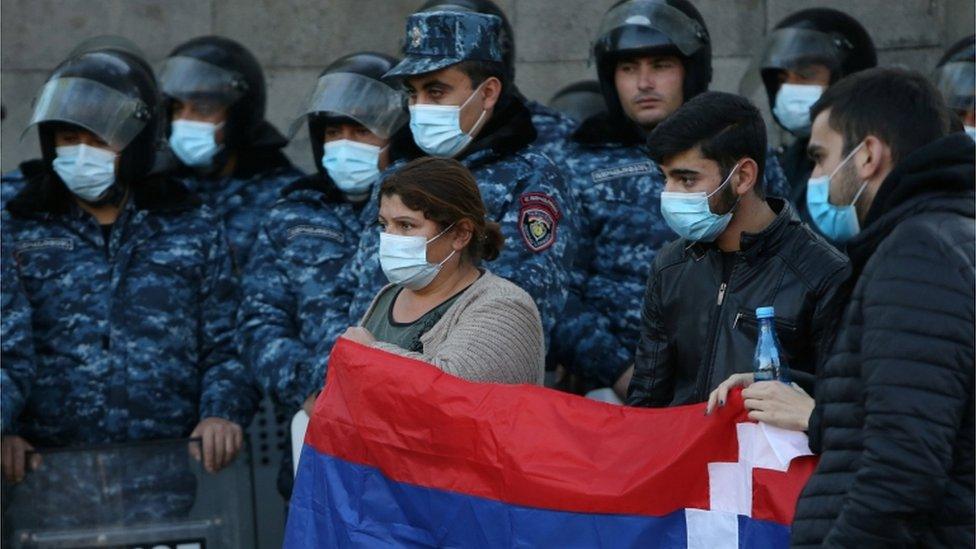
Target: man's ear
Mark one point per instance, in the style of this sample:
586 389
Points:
745 178
873 158
491 91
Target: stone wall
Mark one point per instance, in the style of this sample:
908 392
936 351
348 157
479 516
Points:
295 39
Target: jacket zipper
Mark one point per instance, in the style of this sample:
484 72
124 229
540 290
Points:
706 374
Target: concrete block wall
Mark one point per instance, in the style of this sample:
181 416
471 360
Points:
295 39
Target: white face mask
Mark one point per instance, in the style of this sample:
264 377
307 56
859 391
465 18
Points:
88 172
353 166
404 259
194 143
437 128
792 108
971 132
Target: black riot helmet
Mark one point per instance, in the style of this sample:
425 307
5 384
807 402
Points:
955 75
506 38
352 89
655 27
109 93
579 100
220 70
817 35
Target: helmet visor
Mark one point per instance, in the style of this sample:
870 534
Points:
957 82
108 113
792 48
375 105
684 32
188 79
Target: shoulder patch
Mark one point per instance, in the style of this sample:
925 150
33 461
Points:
317 231
628 170
538 220
44 243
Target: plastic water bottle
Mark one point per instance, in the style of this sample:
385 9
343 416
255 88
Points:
768 362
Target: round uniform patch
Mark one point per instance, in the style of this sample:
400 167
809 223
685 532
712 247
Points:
538 220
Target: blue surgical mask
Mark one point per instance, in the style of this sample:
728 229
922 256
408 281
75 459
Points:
838 223
971 132
353 166
194 143
792 108
437 128
689 215
404 259
88 172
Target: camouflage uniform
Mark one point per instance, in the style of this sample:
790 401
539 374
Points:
242 201
552 127
307 238
133 338
619 189
521 188
16 343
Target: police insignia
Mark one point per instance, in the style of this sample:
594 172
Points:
538 219
415 36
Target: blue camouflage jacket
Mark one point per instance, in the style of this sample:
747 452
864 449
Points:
133 339
552 127
307 238
16 342
522 190
619 190
242 199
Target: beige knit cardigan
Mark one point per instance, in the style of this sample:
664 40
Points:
492 333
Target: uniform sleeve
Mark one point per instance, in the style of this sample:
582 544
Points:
653 381
776 183
917 369
541 230
17 366
269 328
335 320
228 388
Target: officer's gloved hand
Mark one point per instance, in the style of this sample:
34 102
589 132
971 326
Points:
222 440
13 455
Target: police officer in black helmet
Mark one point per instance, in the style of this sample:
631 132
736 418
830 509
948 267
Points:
651 57
226 151
955 76
803 55
551 126
357 127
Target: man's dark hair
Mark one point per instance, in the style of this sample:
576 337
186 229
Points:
479 71
900 107
724 126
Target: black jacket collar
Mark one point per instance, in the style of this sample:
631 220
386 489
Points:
603 128
45 194
939 177
766 243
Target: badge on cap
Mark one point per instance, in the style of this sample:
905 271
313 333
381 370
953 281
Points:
415 36
538 220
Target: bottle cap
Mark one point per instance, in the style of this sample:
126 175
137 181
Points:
765 312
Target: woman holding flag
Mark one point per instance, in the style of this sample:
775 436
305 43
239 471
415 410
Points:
441 306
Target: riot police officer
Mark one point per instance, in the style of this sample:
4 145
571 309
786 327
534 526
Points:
955 78
226 151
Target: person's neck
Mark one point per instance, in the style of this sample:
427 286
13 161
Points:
106 214
446 285
753 215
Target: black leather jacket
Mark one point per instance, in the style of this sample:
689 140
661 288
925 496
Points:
699 322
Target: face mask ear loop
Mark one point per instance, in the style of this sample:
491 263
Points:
477 123
724 183
440 234
844 161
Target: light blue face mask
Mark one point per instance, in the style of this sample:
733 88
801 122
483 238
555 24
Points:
971 132
689 215
792 108
838 223
353 166
404 259
88 172
194 143
437 128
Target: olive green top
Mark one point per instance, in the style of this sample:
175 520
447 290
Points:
405 335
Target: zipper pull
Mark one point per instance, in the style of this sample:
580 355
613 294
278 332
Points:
736 321
721 293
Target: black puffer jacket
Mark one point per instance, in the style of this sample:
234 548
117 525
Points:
893 422
699 322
